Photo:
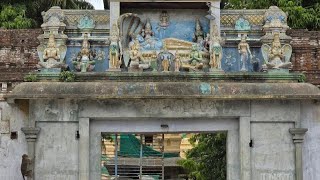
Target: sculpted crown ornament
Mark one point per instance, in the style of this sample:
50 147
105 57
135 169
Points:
54 17
86 23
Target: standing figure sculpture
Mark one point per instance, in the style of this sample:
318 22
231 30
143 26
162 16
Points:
177 63
114 61
215 51
51 55
277 56
244 51
26 167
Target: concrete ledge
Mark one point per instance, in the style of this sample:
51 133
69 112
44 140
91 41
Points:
140 90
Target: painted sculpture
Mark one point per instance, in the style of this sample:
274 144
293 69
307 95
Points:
147 40
86 23
215 51
164 19
177 62
276 56
195 58
199 34
135 57
245 53
84 61
165 58
51 56
114 61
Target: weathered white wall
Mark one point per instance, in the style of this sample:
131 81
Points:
12 119
273 153
310 116
57 149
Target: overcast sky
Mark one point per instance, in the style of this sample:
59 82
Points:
98 4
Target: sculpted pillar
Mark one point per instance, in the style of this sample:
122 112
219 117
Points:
31 134
298 137
114 12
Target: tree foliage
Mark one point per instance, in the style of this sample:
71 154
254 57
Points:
14 17
207 159
301 13
28 12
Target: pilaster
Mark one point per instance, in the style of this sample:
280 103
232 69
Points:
31 134
298 137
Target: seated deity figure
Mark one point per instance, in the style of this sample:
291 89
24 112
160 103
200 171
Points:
199 34
195 58
135 55
244 51
147 32
164 19
51 55
277 56
215 51
114 61
84 61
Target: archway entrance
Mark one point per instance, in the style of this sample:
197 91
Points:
142 132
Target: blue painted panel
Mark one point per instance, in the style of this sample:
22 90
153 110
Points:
102 59
183 30
231 60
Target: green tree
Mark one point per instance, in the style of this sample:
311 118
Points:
31 10
14 17
207 159
301 13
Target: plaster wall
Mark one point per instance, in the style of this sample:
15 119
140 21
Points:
310 116
59 155
57 151
11 119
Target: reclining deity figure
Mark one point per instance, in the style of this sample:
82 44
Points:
114 62
85 58
245 53
215 51
147 40
277 56
51 55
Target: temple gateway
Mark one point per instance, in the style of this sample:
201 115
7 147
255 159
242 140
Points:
118 94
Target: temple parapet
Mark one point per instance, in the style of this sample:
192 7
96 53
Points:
164 40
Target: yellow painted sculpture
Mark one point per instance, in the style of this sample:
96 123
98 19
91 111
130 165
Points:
51 55
114 62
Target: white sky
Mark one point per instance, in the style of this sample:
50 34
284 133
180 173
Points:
98 4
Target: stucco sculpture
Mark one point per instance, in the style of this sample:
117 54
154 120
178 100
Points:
114 58
245 53
177 62
195 58
85 59
215 51
51 55
277 56
198 34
